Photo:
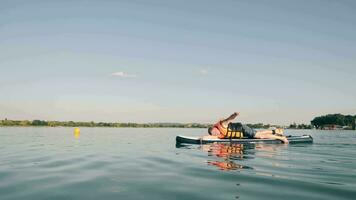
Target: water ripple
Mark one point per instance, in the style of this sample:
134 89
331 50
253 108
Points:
50 163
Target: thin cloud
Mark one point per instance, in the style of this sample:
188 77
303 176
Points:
203 71
123 75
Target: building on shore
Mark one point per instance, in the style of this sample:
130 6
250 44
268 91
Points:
332 127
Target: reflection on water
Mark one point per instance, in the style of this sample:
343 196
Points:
295 171
229 156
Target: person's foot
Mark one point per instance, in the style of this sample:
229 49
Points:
279 131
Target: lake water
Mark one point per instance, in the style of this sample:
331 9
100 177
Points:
109 163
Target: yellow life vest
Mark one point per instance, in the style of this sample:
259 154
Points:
234 130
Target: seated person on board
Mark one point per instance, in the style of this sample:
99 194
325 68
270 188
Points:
220 130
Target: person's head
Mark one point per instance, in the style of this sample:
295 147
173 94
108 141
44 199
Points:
213 131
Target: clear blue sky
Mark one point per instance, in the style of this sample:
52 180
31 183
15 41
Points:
177 61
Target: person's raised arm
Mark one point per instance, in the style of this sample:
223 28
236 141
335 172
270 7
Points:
226 121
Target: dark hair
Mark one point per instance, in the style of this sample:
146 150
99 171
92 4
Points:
209 130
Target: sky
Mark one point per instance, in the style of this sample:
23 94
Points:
141 61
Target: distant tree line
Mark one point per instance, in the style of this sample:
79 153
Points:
40 123
334 119
43 123
299 126
317 122
261 126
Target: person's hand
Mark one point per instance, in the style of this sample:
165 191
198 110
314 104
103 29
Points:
236 113
285 140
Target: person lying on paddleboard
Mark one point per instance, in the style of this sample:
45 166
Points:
225 129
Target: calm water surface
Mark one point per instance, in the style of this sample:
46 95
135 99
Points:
108 163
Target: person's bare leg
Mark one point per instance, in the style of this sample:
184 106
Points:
278 131
267 134
210 137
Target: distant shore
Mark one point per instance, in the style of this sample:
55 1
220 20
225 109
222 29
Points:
326 122
43 123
